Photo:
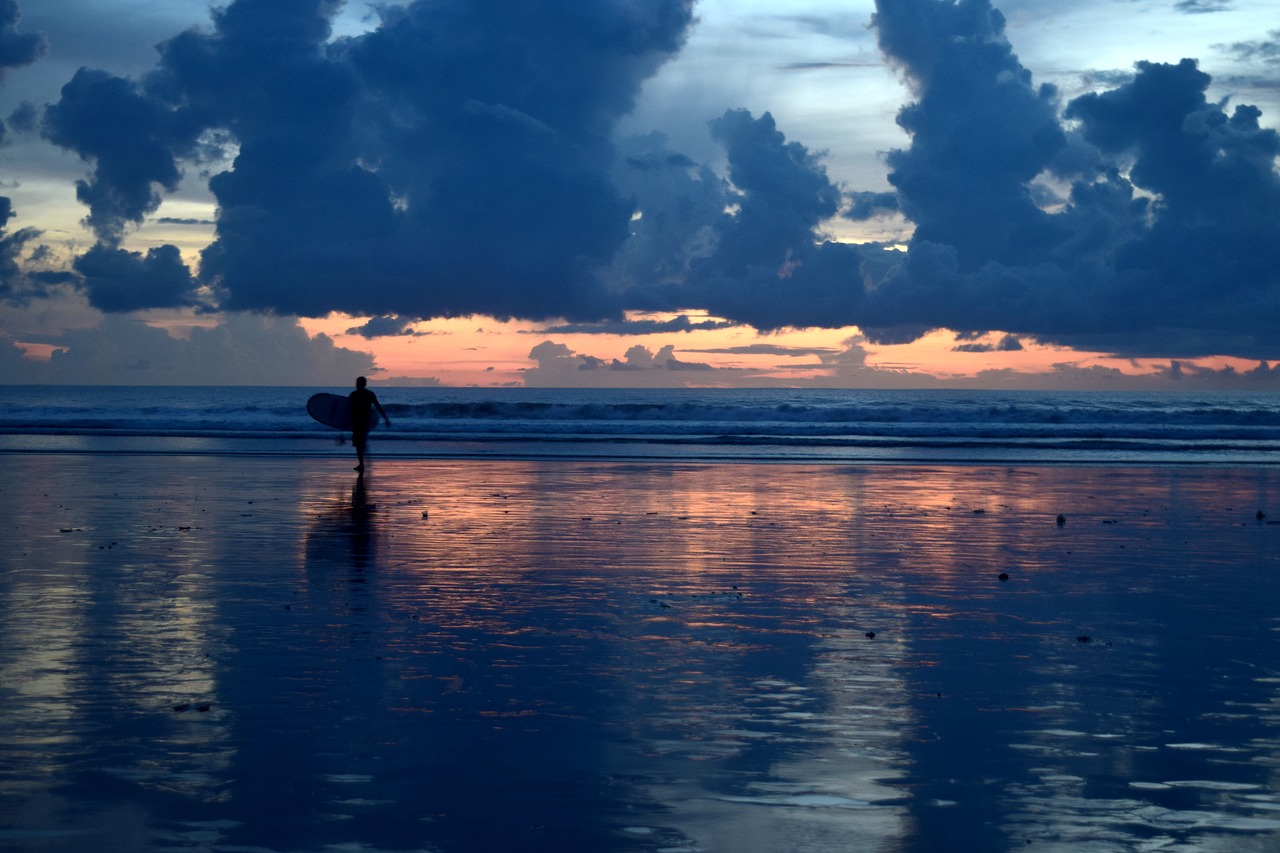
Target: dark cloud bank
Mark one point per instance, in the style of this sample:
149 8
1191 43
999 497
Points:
17 49
461 159
242 348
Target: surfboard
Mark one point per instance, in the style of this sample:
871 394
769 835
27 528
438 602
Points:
332 410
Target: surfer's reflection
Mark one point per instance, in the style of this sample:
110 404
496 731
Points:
362 540
342 542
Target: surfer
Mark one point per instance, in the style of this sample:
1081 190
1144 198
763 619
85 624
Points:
363 403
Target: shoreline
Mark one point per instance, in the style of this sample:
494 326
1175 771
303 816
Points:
571 450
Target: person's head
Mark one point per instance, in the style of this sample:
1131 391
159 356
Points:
361 382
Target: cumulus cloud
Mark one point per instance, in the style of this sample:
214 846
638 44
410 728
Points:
559 366
460 158
1167 243
117 280
453 161
16 48
133 142
15 285
759 257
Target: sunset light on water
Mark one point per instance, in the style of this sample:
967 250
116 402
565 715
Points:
641 657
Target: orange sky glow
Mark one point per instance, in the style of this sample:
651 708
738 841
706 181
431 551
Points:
483 351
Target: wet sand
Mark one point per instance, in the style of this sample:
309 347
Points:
230 653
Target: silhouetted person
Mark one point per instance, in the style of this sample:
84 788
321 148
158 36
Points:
363 403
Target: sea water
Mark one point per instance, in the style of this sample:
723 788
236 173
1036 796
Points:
754 424
540 623
209 654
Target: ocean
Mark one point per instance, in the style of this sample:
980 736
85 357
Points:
530 625
935 426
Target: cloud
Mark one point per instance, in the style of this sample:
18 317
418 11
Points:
410 381
133 142
867 205
17 49
756 254
1199 7
477 174
980 131
559 366
1008 343
25 118
832 65
465 146
1167 243
174 220
1266 51
682 323
117 280
460 158
767 349
242 349
15 284
386 325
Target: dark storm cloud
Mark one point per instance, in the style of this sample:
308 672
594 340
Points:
17 49
133 142
455 160
755 252
1168 242
980 131
460 158
117 280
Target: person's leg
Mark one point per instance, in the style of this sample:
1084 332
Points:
359 439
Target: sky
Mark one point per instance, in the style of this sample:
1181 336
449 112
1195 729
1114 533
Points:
902 193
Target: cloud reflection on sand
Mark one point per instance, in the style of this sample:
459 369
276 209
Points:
559 655
150 619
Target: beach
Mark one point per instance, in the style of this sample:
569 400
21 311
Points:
240 652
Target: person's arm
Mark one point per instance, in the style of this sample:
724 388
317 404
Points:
386 420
